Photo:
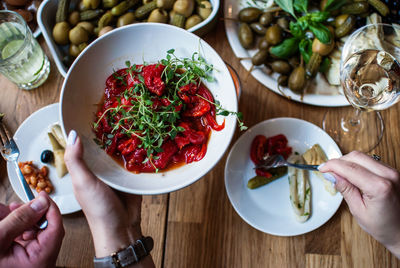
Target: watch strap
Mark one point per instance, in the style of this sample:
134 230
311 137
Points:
130 255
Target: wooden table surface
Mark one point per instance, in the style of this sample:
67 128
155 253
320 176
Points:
197 226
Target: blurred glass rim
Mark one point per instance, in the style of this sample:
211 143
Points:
355 34
4 15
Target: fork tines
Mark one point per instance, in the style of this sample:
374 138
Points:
4 134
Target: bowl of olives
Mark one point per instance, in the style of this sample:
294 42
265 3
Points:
69 26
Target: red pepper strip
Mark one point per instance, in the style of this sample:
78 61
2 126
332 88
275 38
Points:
262 172
257 149
212 123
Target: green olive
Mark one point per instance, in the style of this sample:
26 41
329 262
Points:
249 14
266 18
283 23
297 79
321 48
74 50
283 80
262 44
105 30
158 15
258 28
246 36
260 57
294 61
74 18
60 33
78 35
204 9
281 67
91 4
105 20
88 26
192 21
127 18
274 35
82 7
165 4
339 20
184 7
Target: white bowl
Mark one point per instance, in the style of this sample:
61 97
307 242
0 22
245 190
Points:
84 87
46 21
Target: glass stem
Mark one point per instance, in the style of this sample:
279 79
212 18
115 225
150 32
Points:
356 118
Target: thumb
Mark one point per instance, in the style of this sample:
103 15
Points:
22 219
81 176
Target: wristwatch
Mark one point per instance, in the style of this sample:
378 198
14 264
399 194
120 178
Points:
130 255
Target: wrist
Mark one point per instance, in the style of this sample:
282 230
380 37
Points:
109 240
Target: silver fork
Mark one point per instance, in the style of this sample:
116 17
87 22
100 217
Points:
275 161
10 152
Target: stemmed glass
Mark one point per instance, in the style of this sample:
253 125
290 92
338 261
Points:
370 77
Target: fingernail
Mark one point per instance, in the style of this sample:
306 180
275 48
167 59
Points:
320 166
329 177
39 204
71 137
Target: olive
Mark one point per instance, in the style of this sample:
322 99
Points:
165 4
158 15
146 1
82 7
126 19
91 4
339 20
78 35
105 30
249 14
184 7
192 21
74 50
262 44
246 36
355 8
258 28
297 79
321 48
47 156
346 27
171 16
283 80
294 61
281 67
74 18
89 27
274 35
266 18
110 3
60 33
260 57
283 23
204 9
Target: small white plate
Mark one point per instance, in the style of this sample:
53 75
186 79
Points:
31 138
231 11
268 208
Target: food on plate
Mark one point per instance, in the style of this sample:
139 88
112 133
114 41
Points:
306 36
316 156
58 151
261 148
47 156
156 116
57 133
78 25
26 8
300 189
36 178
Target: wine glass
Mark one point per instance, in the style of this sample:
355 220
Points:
370 77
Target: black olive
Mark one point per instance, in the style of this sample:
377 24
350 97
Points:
47 156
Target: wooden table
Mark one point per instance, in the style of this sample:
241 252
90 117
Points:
197 226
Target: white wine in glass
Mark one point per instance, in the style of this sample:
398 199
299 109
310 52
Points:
370 76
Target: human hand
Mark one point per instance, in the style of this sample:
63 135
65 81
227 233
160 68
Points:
21 243
113 217
372 192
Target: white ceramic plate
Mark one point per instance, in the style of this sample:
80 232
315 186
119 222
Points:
231 10
268 208
84 87
31 138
